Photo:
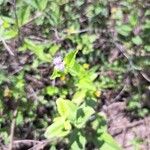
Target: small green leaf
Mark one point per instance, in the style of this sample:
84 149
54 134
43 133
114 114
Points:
19 119
6 19
79 96
38 50
77 70
109 142
67 125
124 30
53 49
42 4
8 34
56 74
83 114
86 84
32 3
1 2
56 129
70 59
147 48
66 109
23 15
137 40
133 19
78 140
51 90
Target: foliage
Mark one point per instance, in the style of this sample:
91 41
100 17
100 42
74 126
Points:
77 42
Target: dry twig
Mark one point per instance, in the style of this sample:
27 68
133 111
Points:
12 130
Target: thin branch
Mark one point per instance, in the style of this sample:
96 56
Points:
7 47
13 124
120 93
41 145
20 144
145 76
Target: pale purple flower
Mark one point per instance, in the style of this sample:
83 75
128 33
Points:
60 67
57 60
58 63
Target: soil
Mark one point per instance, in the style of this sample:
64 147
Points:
120 124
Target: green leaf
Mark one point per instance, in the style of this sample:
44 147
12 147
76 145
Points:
1 2
70 59
137 40
124 30
133 19
55 74
66 109
23 15
77 70
79 96
19 119
38 50
109 142
78 140
42 4
86 84
56 129
53 49
6 19
147 48
83 114
51 90
32 3
8 34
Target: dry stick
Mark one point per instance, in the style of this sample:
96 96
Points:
147 129
124 136
16 18
120 93
145 76
7 47
24 143
121 48
131 125
12 129
40 145
20 144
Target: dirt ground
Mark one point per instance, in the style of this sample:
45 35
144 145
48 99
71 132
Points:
125 130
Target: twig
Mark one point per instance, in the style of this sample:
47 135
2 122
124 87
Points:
120 93
147 129
40 145
145 76
12 130
20 144
121 48
124 136
130 125
7 47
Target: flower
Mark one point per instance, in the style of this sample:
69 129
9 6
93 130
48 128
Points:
58 63
60 66
57 60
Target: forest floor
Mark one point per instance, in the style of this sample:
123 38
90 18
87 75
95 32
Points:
127 131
